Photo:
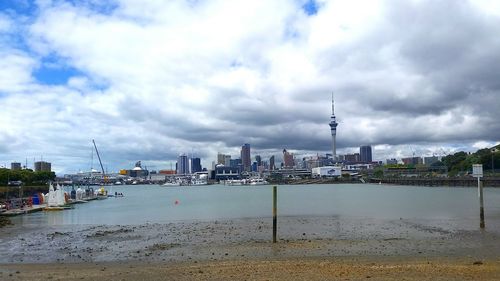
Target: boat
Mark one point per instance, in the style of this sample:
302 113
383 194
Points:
236 182
101 193
199 182
174 183
56 199
258 181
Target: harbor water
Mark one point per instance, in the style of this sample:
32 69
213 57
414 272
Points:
158 204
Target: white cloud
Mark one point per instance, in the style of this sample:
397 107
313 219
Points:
157 79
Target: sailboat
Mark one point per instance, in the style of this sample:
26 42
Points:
56 199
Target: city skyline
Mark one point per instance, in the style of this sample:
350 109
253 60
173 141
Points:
150 81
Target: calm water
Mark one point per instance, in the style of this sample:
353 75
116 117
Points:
152 203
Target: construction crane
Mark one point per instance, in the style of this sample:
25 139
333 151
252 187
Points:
100 162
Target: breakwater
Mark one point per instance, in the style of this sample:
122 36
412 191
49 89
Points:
461 181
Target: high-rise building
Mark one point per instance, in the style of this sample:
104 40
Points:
271 163
333 129
220 158
245 157
258 159
234 163
42 166
227 160
182 165
195 165
365 153
15 166
352 157
288 160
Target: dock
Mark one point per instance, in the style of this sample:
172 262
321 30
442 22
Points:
22 211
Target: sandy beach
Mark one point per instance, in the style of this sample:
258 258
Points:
309 248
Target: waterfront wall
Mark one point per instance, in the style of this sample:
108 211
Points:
462 181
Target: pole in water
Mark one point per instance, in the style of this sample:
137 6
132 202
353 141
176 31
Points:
481 206
275 212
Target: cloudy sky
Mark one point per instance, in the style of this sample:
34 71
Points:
151 79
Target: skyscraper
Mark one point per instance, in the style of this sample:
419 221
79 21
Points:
288 159
195 165
182 165
333 128
271 163
245 157
258 159
365 152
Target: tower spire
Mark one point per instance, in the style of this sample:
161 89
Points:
333 106
333 128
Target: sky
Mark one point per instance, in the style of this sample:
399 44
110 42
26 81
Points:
149 80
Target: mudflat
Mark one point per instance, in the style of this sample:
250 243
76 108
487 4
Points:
308 248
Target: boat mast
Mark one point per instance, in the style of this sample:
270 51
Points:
100 162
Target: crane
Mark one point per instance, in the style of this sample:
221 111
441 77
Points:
100 162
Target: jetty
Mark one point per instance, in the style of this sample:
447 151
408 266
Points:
22 211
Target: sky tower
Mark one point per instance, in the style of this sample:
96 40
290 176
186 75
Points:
333 128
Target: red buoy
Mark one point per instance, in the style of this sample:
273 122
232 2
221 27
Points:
176 202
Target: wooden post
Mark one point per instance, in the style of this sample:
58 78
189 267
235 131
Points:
481 206
275 212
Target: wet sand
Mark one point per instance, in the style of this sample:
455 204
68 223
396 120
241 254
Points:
309 248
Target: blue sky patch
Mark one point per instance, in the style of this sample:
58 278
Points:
54 72
310 7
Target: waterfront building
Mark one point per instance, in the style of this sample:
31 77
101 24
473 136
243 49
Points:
42 166
182 165
245 157
365 153
288 161
333 129
15 166
226 173
327 171
195 165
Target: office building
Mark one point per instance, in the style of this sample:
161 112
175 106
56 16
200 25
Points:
288 161
15 166
245 157
412 160
182 165
42 166
195 165
365 153
352 157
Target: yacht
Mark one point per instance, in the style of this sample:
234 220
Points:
258 181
